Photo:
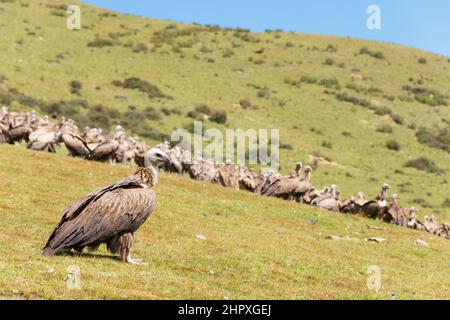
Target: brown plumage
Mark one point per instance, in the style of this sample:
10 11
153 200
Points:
350 206
228 176
295 187
76 145
19 133
377 208
104 151
110 215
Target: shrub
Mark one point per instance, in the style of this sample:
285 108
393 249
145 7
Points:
140 47
393 145
330 83
329 62
422 61
245 104
308 79
152 114
327 144
75 86
385 128
263 93
100 43
427 96
376 55
440 139
286 146
424 164
142 85
446 203
219 116
203 108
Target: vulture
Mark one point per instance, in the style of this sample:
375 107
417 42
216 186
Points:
18 133
109 215
76 145
328 201
105 151
395 214
295 187
228 176
413 223
350 206
376 208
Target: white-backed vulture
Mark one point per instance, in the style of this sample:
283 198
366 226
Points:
110 215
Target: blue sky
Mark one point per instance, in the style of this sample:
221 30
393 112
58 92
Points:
416 23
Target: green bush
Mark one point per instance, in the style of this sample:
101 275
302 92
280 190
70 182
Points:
422 61
424 164
439 139
219 116
329 62
142 85
385 128
393 145
100 43
75 86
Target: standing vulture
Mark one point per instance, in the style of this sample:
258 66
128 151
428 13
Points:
110 215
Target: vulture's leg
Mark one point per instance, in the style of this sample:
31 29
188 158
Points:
126 244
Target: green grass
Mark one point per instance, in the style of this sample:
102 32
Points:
255 247
289 87
219 67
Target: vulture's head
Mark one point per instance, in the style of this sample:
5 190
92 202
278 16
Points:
413 212
156 157
386 187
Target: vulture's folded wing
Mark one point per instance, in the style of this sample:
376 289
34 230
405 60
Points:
117 211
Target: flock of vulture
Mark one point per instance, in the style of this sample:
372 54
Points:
44 135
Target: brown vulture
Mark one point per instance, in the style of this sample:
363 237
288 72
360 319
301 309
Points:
105 151
228 176
76 145
291 187
377 208
110 215
350 206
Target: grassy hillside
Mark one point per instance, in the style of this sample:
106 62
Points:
268 249
340 100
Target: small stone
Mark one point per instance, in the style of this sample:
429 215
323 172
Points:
201 237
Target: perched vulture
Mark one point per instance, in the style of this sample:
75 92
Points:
105 151
377 208
396 214
228 176
76 145
329 201
19 133
350 206
295 187
110 215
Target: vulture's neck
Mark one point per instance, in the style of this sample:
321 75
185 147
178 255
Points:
154 171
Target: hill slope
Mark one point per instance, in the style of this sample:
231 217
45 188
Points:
253 249
340 100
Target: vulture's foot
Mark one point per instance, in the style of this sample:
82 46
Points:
134 261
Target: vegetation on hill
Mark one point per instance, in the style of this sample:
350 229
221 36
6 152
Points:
203 241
